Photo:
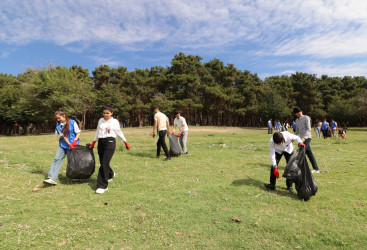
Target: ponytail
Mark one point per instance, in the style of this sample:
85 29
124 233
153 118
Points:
65 130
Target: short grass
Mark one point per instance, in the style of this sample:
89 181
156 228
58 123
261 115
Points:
187 202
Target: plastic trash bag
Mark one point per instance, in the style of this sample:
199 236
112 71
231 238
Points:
81 164
174 146
298 171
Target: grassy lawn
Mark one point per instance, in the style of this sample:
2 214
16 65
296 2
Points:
187 202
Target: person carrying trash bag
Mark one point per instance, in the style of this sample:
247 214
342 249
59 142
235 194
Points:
107 130
281 143
69 132
297 171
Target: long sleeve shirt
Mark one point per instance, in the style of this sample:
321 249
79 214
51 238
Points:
303 127
110 128
286 146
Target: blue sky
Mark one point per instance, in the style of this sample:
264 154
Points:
267 37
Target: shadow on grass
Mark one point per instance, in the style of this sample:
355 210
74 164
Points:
260 184
92 182
150 155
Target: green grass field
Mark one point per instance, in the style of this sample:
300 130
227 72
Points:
187 202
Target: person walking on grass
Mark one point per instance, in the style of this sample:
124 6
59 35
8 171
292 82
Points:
325 128
160 125
108 129
183 130
270 127
318 125
278 126
68 132
334 128
303 129
281 144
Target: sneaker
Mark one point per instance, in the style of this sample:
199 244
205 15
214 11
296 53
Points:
114 174
290 189
167 159
185 153
50 181
269 186
314 171
101 190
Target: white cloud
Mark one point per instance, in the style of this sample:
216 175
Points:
105 61
322 28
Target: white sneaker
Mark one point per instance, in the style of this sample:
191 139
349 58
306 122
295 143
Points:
114 174
101 190
314 171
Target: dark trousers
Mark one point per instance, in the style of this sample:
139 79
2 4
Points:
278 156
106 149
270 130
162 143
309 154
324 133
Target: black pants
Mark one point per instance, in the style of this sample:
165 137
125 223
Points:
162 143
278 156
309 154
106 149
324 133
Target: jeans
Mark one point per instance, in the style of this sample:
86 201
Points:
270 130
56 164
183 141
309 154
278 156
318 132
106 149
162 143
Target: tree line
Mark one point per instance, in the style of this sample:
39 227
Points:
207 93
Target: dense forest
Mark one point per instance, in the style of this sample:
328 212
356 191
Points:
208 93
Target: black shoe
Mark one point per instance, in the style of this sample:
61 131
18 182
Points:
290 189
167 159
270 186
185 153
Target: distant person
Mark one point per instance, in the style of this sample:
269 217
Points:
108 129
270 127
303 129
278 126
68 132
285 125
334 128
281 144
183 130
343 134
160 125
318 125
294 125
324 128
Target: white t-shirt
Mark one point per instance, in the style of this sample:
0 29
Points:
161 121
180 122
286 146
110 128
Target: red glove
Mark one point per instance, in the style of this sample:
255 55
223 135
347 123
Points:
179 134
92 144
302 145
276 172
71 146
173 132
168 132
127 145
153 135
74 143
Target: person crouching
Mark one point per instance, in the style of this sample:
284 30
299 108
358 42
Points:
281 143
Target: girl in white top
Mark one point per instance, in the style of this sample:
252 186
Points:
107 130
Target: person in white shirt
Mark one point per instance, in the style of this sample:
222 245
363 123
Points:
281 143
160 125
183 130
107 130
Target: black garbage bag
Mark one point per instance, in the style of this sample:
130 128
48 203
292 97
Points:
298 171
174 146
81 164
